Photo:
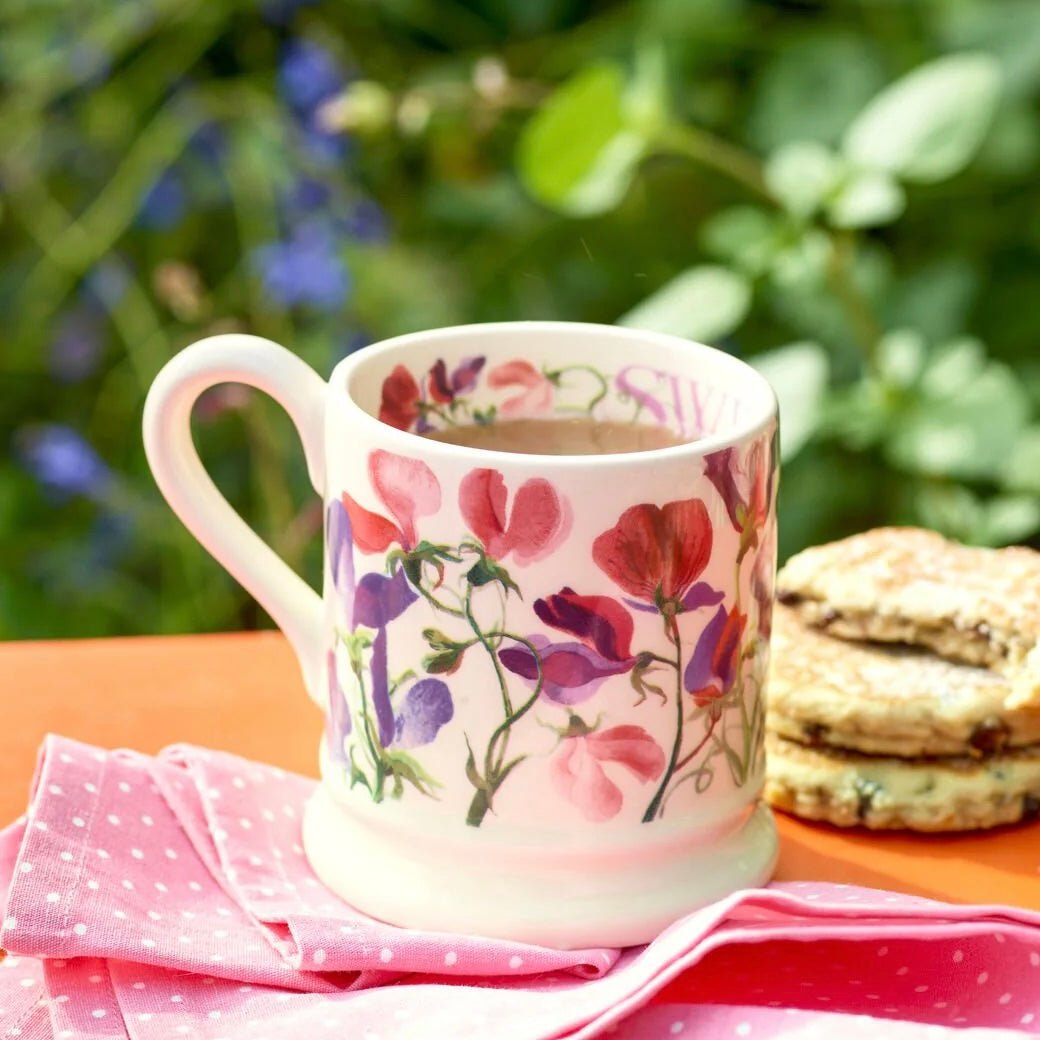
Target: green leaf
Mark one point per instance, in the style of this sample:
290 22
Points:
867 198
801 175
1021 471
798 375
485 571
744 236
926 126
578 154
933 299
1010 518
901 357
703 303
965 423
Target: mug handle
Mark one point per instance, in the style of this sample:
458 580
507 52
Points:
295 607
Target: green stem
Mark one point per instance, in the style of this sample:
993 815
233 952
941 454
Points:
370 739
717 154
655 802
603 386
503 686
865 326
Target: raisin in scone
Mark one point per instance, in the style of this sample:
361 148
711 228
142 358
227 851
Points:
906 585
940 794
887 700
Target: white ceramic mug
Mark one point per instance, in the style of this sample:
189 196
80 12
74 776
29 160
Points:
543 675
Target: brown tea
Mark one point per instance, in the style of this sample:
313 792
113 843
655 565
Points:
579 436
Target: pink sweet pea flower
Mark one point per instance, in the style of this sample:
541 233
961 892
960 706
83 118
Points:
408 489
538 521
578 774
536 396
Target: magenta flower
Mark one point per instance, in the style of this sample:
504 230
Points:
745 485
600 622
571 672
577 768
536 391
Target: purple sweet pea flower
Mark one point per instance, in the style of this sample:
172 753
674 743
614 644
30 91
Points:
600 622
339 725
571 672
713 665
379 599
340 540
445 388
427 706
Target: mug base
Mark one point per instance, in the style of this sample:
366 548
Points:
564 900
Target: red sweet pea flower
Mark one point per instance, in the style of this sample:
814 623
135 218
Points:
536 396
577 767
656 553
400 401
600 622
745 485
713 665
408 489
538 522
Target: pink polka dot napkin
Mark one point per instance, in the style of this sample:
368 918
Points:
169 897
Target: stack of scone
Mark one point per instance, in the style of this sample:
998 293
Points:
905 684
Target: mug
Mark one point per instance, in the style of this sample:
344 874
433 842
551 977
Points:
543 676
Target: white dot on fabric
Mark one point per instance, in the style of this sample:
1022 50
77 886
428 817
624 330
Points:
78 821
171 854
27 983
194 886
1004 998
220 834
55 789
183 1029
80 928
66 857
958 956
124 787
223 911
147 820
95 979
238 782
386 955
319 956
53 897
10 922
245 824
137 853
160 887
267 815
119 914
59 964
144 1017
882 951
99 1012
102 854
1034 959
255 861
40 825
982 977
216 957
155 915
176 999
450 958
1027 1018
25 868
213 1014
220 933
184 939
920 989
128 884
939 1005
188 915
93 885
148 944
113 819
283 998
90 788
903 971
139 985
66 758
743 1029
516 962
999 938
676 1028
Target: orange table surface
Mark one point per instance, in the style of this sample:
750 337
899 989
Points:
243 693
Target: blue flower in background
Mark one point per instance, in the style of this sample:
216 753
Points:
367 222
308 75
106 282
77 346
164 204
63 462
305 269
307 195
280 12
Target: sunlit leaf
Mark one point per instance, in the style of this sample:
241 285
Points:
801 175
928 125
798 375
703 303
867 198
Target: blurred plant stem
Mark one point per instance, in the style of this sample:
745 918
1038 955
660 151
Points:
745 169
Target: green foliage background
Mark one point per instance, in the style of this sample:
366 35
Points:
762 176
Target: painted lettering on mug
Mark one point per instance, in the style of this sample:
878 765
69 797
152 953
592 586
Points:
710 408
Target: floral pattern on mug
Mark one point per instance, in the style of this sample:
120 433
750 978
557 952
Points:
655 555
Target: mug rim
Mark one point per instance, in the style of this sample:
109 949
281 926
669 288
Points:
763 404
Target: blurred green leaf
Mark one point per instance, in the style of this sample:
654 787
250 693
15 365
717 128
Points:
798 375
966 421
934 298
958 513
1021 471
901 357
703 303
801 175
927 126
744 236
578 154
866 198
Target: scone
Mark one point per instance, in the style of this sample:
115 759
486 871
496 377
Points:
939 794
907 585
886 700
